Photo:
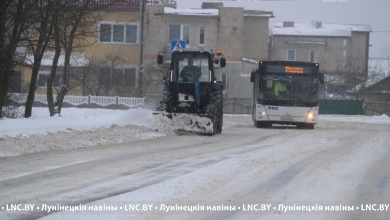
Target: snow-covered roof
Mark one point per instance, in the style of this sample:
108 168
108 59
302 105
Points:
318 29
257 13
191 11
76 59
213 12
247 60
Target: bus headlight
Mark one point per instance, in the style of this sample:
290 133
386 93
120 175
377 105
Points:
262 114
310 115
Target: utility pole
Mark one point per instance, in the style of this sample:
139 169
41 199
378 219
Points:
140 63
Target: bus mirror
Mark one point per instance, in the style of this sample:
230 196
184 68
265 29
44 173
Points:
160 59
322 78
223 62
253 76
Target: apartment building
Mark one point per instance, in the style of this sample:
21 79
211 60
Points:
341 49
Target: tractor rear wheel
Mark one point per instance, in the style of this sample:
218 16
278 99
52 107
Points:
215 109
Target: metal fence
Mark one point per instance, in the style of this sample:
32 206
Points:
231 105
376 108
109 102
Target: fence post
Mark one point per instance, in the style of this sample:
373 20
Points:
234 105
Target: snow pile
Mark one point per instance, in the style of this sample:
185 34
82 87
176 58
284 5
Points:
172 123
75 128
73 138
73 118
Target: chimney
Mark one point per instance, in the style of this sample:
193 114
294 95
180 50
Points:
317 24
211 5
288 24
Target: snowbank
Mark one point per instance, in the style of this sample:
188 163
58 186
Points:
75 128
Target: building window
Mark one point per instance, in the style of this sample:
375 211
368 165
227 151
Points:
201 35
174 32
118 33
179 32
105 33
131 33
311 56
44 75
104 76
186 34
291 55
118 77
129 77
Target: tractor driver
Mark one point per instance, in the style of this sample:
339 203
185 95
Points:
190 73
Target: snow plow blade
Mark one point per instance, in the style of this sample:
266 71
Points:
186 123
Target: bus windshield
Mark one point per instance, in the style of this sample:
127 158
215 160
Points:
288 90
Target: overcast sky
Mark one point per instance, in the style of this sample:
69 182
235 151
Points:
373 12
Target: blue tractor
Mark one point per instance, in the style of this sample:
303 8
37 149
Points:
191 88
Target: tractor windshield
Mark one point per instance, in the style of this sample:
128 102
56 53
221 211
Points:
193 68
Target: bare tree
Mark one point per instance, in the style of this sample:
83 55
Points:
75 13
57 53
13 17
72 22
39 39
77 21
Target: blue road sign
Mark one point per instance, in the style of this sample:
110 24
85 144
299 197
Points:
177 44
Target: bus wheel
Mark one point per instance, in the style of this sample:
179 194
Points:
310 126
305 126
260 124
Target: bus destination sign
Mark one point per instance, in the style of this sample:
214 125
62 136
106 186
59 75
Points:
294 69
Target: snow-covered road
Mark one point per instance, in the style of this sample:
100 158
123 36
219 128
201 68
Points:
339 170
